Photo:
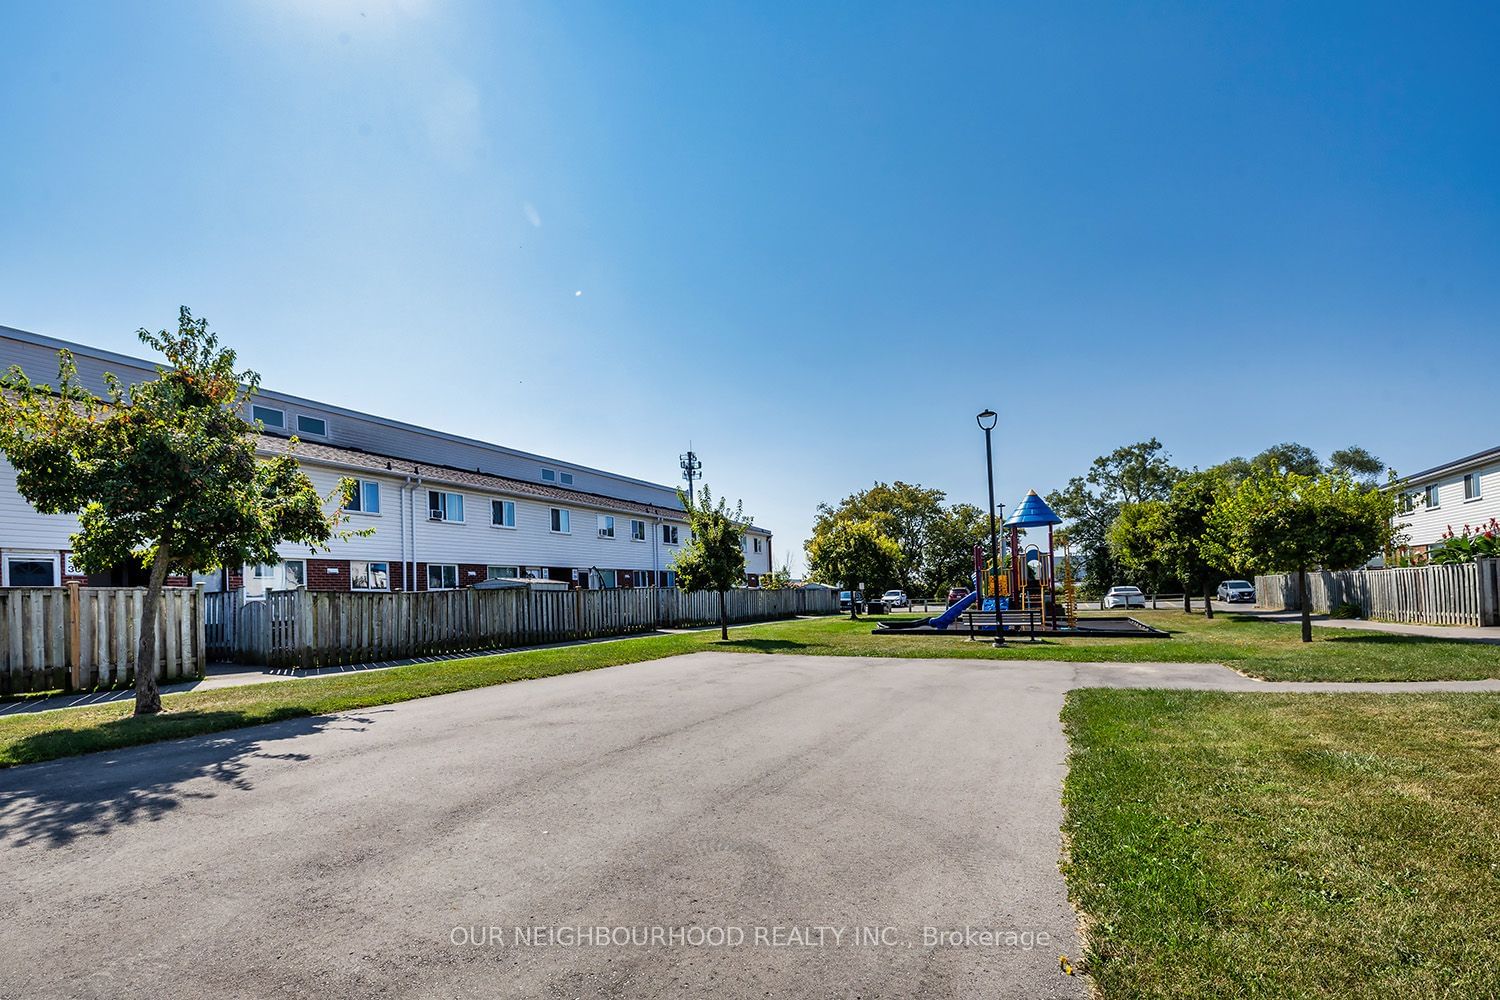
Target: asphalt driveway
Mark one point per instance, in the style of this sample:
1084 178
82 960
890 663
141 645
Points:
708 825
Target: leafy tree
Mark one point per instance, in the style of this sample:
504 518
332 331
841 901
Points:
905 512
1090 503
1170 536
714 557
1288 457
164 472
851 553
1363 467
949 560
1137 539
1277 522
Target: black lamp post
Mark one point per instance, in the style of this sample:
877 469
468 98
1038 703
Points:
987 421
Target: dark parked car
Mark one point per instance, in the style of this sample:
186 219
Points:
956 594
1237 592
859 599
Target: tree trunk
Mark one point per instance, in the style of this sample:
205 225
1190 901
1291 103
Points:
1208 601
147 696
1306 605
723 618
1187 600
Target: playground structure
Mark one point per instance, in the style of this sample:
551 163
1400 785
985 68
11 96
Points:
1025 601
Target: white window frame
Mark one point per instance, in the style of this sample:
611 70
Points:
757 545
359 498
256 409
285 575
670 535
442 566
560 516
607 526
446 506
549 475
24 555
1475 480
370 565
517 573
1432 498
302 430
566 478
263 571
505 506
637 536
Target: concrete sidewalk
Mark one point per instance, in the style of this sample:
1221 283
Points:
1455 633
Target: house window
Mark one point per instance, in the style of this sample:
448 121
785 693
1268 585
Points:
567 479
671 579
445 506
268 416
609 579
316 426
757 545
442 576
296 573
369 576
1472 488
637 531
1432 497
669 534
366 499
549 476
1408 503
264 571
642 577
31 571
606 526
561 523
503 513
502 572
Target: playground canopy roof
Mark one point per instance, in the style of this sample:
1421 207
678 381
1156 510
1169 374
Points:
1032 512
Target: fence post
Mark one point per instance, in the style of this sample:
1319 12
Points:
75 637
304 620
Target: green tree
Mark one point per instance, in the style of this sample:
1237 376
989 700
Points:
1090 503
1169 537
1137 541
1363 467
850 553
714 557
1285 522
164 472
905 512
949 560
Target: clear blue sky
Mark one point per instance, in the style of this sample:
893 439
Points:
813 239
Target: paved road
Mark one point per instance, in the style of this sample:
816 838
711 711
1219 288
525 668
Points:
345 856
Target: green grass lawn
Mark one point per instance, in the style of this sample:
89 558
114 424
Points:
1263 649
1270 650
1288 846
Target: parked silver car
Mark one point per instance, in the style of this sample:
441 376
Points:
1124 597
1237 592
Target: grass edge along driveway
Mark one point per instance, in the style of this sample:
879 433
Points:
1258 648
1286 845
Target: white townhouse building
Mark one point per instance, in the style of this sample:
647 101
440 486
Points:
1462 492
444 511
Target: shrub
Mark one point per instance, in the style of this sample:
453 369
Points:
1347 609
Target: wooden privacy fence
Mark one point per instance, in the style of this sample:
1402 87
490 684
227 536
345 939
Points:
299 628
84 637
1457 594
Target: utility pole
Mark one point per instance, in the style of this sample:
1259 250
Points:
691 468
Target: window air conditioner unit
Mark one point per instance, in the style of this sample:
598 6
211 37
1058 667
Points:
435 515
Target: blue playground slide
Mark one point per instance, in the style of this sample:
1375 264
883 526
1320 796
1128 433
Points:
951 615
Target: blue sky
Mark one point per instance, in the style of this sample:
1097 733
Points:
812 239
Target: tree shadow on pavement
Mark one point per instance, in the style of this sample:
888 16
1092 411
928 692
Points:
762 645
55 803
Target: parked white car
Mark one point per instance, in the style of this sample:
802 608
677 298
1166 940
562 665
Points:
1124 597
896 599
1237 592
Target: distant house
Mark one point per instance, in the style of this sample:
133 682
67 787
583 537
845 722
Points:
1462 492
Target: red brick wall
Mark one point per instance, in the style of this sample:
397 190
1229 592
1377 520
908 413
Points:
319 577
471 573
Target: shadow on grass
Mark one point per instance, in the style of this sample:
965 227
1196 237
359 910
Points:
762 645
56 804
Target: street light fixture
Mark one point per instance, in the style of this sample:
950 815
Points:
987 421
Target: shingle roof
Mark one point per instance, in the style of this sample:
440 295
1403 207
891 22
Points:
312 451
